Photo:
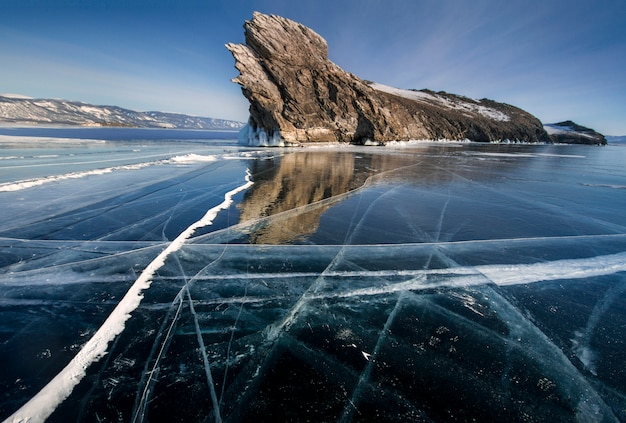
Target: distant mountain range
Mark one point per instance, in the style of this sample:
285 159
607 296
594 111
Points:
616 139
17 110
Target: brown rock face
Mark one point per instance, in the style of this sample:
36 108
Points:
297 95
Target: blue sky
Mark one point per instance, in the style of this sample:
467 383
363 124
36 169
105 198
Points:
557 59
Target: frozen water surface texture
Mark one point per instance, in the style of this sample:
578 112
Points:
200 281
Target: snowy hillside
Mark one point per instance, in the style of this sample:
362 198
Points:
18 110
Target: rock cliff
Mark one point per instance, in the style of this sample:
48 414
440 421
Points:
298 95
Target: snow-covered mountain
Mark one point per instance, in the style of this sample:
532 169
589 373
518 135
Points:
17 110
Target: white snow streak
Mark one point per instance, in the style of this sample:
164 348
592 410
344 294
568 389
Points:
470 105
41 406
193 158
501 275
30 183
559 269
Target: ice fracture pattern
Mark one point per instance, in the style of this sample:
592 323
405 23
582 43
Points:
421 282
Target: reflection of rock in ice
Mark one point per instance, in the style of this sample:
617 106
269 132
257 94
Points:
301 186
298 180
293 191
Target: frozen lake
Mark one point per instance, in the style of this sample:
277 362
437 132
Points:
176 276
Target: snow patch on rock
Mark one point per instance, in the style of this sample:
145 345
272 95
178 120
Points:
470 105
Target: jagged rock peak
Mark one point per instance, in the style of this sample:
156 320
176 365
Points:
265 34
297 95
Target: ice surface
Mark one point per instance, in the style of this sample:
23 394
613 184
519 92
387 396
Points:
424 282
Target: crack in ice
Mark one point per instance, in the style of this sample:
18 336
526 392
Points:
205 359
581 342
152 374
43 404
143 396
348 411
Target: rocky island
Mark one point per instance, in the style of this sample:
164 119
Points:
298 95
569 132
